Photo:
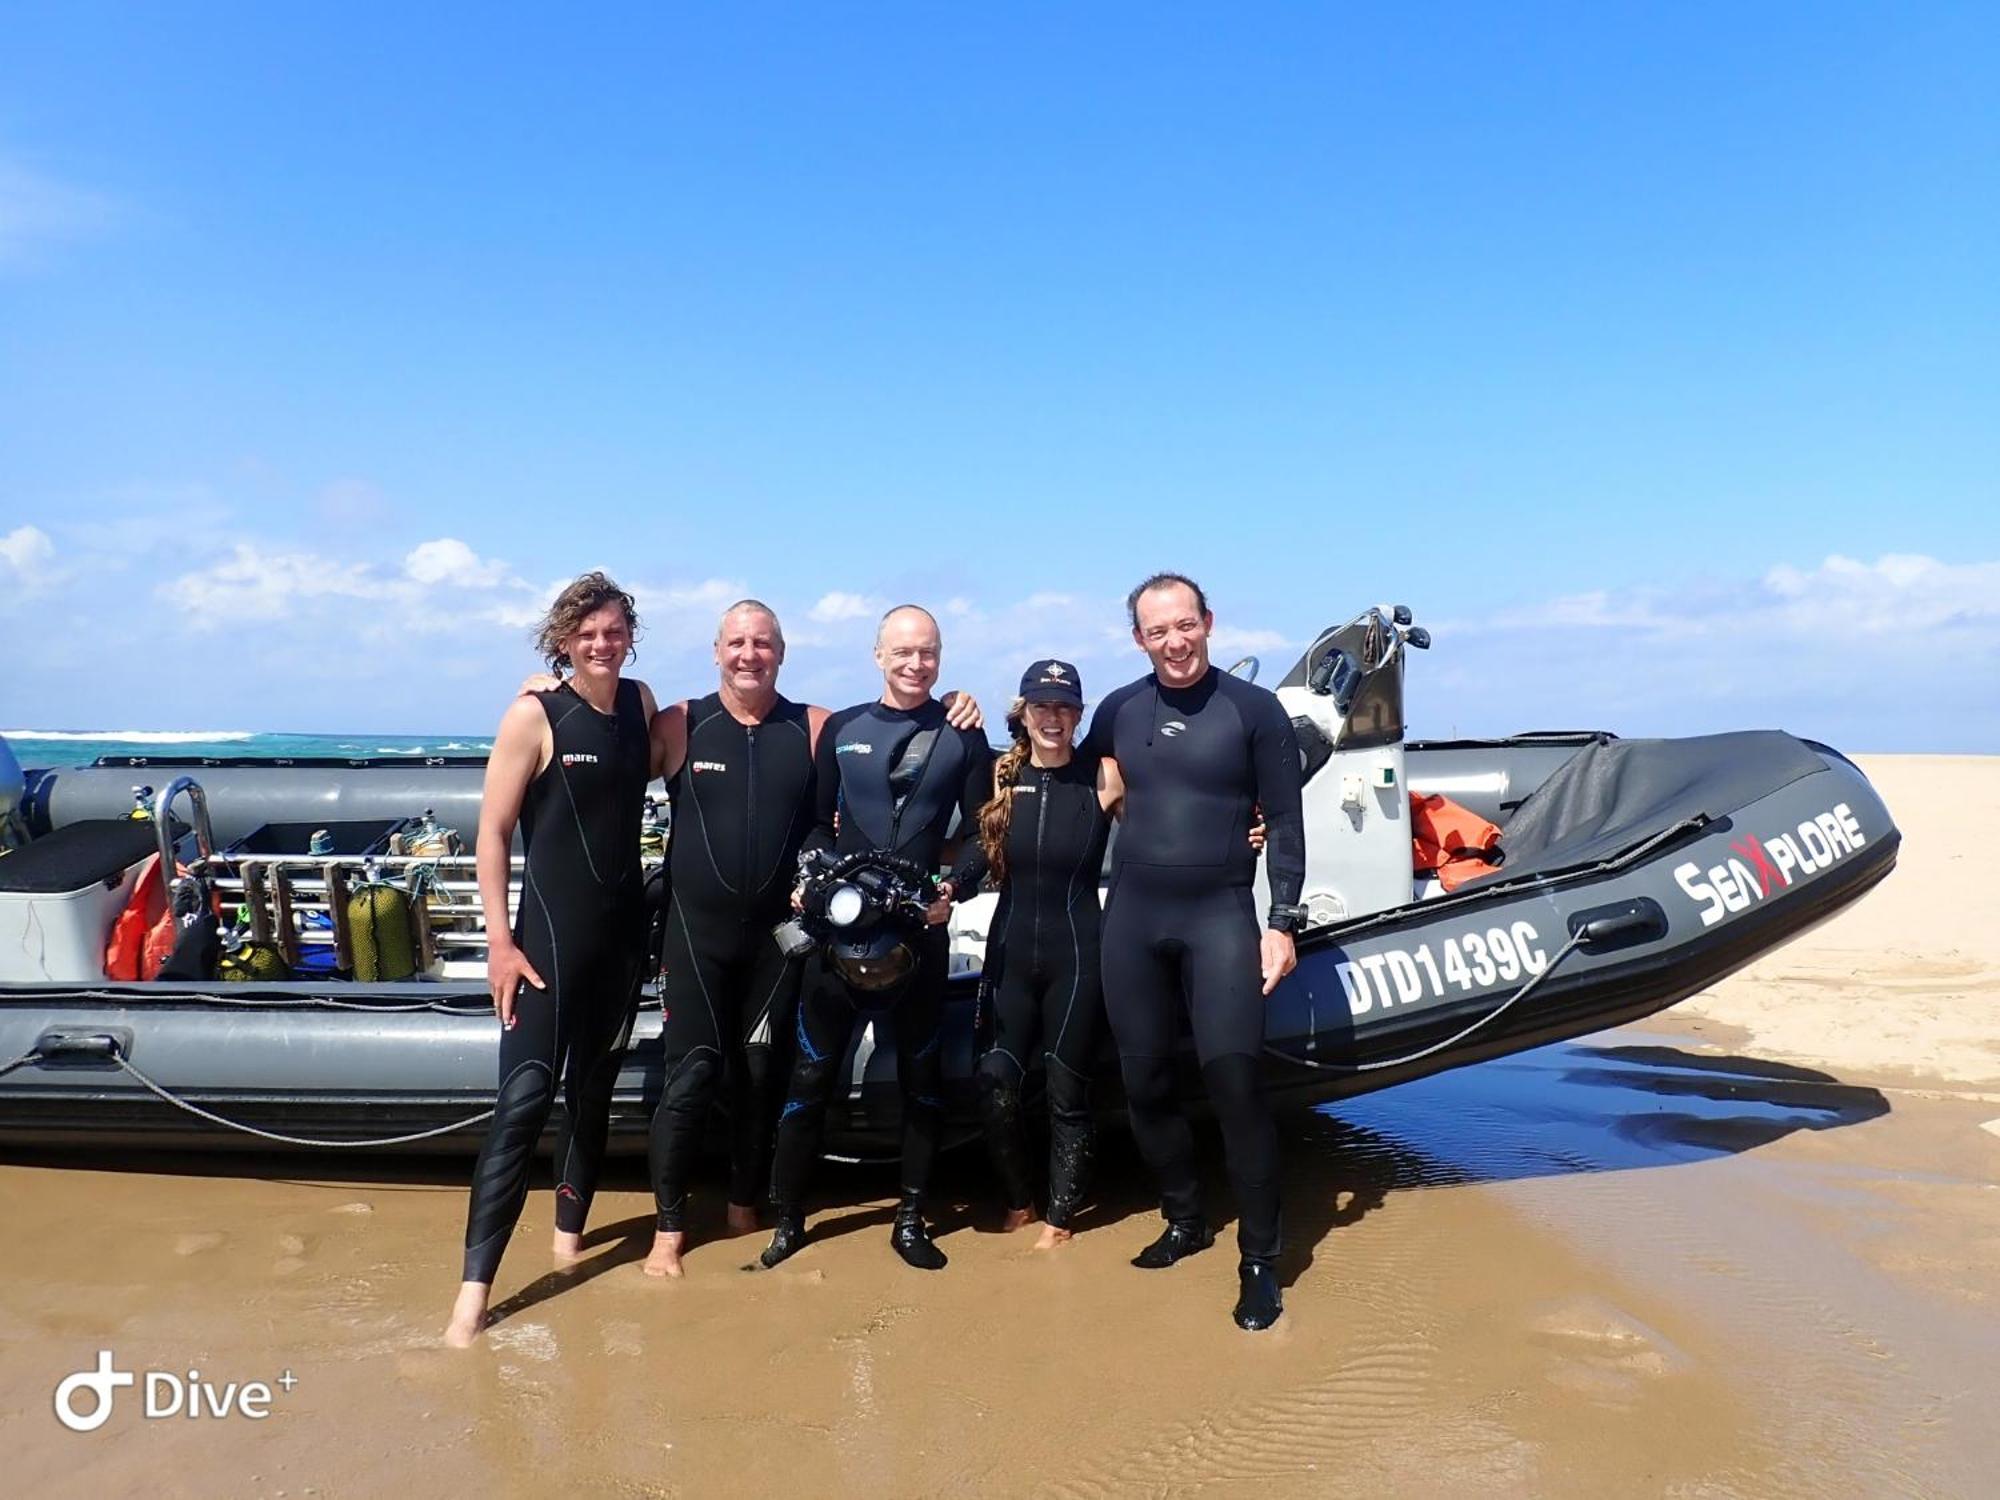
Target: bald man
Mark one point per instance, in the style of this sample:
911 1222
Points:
893 770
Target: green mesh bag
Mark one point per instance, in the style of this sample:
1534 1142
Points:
380 929
254 963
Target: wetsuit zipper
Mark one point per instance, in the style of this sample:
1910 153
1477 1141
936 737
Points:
1041 823
750 823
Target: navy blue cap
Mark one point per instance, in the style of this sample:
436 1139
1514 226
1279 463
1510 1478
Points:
1052 681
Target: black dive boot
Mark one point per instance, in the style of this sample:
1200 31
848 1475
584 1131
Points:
911 1239
786 1239
1258 1304
1180 1239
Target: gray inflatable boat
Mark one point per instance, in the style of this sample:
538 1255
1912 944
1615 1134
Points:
1630 874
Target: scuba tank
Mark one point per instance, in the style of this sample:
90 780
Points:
428 839
379 926
652 830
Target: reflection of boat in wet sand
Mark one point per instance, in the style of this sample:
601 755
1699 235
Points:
1631 874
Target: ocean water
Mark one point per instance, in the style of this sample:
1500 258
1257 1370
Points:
79 747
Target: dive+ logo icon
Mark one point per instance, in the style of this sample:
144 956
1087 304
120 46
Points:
166 1393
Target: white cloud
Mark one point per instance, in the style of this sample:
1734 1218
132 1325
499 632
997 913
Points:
836 607
1898 592
1903 652
260 583
25 549
448 560
37 211
1240 639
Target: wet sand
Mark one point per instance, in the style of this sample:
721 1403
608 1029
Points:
1749 1248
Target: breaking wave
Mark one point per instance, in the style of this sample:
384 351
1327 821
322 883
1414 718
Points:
133 736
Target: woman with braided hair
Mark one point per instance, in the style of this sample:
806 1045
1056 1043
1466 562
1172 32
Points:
1043 836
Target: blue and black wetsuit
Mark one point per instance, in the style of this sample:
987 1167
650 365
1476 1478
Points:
1180 929
743 804
582 925
1041 984
891 778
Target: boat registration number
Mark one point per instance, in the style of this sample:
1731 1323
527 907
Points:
1465 962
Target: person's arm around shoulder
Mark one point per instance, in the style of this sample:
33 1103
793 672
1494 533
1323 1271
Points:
520 752
667 728
961 710
1110 787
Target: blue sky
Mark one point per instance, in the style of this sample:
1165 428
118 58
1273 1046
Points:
1650 355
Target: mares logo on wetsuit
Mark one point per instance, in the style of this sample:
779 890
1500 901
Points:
854 747
708 765
578 758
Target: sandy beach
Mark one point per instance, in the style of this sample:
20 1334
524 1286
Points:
1750 1247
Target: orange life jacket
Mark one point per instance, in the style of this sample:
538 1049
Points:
142 939
1450 839
124 952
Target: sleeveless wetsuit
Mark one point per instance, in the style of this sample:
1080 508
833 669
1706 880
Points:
582 925
883 799
1041 980
1180 929
743 803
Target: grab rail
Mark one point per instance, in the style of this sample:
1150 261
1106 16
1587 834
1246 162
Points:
204 832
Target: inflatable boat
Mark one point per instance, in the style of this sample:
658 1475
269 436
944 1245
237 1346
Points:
1626 875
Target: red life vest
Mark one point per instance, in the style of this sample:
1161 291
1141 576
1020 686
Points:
1450 839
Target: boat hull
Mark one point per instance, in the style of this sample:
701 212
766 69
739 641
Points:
1373 1003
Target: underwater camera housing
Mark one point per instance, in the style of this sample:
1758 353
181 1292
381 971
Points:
864 909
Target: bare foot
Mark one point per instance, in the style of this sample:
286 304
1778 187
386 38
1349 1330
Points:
742 1218
567 1247
666 1257
468 1314
1018 1218
1052 1236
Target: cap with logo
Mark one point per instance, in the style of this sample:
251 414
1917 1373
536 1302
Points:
1052 681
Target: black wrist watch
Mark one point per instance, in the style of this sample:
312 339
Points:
1285 918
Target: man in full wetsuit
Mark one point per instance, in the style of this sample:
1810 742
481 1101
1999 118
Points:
890 775
739 770
1199 751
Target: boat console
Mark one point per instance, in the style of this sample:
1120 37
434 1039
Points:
1345 697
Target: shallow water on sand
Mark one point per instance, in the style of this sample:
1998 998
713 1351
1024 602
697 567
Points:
1622 1266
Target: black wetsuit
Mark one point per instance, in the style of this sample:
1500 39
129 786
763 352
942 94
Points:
582 925
887 793
1041 983
1180 929
743 804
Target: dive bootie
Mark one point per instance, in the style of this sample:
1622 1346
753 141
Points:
1258 1304
912 1240
786 1239
1180 1239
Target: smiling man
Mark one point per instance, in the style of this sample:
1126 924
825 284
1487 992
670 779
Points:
739 766
890 775
1200 752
